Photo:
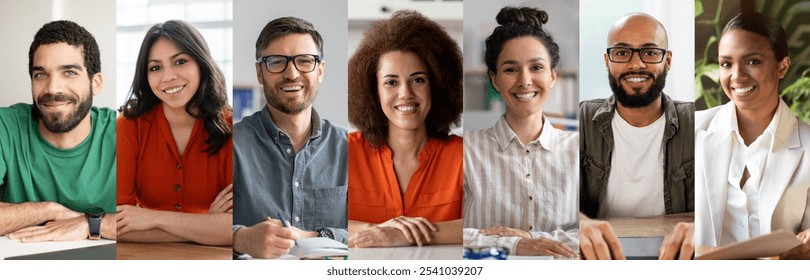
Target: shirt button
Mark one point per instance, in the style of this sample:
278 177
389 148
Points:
527 151
178 207
531 227
177 188
297 219
530 197
179 165
289 151
296 184
528 175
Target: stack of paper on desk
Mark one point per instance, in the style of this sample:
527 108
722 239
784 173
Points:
769 245
319 247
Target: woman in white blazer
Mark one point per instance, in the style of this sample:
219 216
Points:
752 172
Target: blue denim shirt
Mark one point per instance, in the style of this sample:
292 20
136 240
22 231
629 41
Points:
269 178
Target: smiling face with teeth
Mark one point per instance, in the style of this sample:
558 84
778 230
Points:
524 76
290 92
636 83
403 86
173 75
749 71
62 91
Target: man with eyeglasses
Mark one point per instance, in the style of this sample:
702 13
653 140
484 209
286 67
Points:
290 170
637 146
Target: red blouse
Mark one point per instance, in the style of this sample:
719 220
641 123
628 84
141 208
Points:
434 190
153 175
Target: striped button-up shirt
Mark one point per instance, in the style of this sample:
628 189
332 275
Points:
532 187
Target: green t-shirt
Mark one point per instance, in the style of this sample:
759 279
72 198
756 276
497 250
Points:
31 169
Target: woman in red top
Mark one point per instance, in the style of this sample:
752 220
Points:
175 150
405 169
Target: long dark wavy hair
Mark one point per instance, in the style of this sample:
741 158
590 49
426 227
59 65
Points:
407 31
210 102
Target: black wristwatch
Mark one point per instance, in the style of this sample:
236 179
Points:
94 216
325 232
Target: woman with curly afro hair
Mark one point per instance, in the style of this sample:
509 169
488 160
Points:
405 169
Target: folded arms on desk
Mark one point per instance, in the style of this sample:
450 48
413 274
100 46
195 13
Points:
404 231
48 221
136 224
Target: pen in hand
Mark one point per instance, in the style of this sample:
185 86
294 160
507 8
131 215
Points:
286 224
283 221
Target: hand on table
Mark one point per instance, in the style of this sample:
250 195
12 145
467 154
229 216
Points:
415 229
597 241
543 247
58 230
133 218
224 201
506 231
379 237
679 243
266 239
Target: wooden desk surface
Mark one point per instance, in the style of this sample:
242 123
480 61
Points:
172 251
648 226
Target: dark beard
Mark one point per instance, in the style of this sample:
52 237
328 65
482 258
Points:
274 100
53 122
639 99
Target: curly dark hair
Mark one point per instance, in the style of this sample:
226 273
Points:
406 31
63 31
519 22
211 99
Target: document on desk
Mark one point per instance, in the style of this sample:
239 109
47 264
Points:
769 245
315 248
319 247
13 248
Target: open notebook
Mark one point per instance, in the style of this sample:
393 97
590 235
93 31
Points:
318 248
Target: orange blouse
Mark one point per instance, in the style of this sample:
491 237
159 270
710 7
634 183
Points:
434 191
152 175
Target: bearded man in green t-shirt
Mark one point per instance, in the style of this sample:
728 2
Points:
57 155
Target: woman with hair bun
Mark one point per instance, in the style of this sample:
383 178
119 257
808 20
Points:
405 169
752 154
521 176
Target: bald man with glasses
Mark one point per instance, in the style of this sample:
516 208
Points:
637 146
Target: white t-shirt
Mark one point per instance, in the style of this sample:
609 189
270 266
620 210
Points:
636 183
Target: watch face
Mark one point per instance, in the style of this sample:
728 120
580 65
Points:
95 211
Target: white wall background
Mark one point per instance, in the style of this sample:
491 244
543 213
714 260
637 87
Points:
678 17
20 20
328 17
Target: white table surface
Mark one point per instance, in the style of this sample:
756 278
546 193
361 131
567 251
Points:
433 252
13 248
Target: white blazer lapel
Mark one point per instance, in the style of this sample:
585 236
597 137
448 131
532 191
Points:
780 166
713 148
716 155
